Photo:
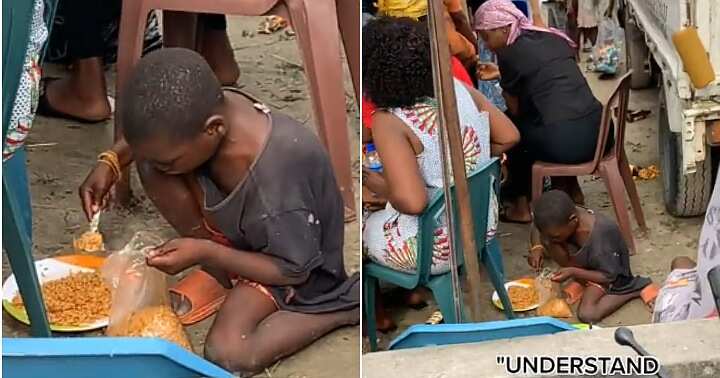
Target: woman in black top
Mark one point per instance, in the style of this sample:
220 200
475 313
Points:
548 98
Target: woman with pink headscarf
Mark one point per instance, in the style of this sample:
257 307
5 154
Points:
547 96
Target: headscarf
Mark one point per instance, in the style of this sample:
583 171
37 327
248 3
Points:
495 14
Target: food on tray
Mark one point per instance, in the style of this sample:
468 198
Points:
78 299
89 242
522 296
155 321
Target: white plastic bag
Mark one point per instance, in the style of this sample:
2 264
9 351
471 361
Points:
140 300
606 53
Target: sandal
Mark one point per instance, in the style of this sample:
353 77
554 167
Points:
46 110
648 294
574 292
204 294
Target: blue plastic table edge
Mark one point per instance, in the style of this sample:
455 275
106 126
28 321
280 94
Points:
486 326
109 346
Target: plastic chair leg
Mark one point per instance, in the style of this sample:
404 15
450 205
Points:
613 181
441 287
632 192
369 287
492 260
317 31
347 11
537 182
18 245
130 42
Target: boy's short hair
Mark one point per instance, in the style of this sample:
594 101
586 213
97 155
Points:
397 68
552 209
171 92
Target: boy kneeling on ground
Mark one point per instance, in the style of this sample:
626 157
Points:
591 252
216 159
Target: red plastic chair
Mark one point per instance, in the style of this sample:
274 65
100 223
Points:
318 34
612 167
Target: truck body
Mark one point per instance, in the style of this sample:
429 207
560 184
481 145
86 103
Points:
689 119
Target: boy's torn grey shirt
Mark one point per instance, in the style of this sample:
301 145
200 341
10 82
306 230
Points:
290 209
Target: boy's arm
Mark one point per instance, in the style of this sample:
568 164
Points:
556 251
258 267
591 275
122 149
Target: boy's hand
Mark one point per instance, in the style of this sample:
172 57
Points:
94 191
535 258
563 274
177 255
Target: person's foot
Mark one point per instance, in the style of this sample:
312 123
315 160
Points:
416 299
384 323
383 320
83 94
518 211
215 47
180 304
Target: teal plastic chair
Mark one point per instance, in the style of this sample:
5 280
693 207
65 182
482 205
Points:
16 228
484 179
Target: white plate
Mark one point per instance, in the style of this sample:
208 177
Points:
498 304
48 270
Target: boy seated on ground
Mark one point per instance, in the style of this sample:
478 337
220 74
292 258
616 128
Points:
253 195
590 251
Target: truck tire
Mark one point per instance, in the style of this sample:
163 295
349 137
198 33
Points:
636 55
684 195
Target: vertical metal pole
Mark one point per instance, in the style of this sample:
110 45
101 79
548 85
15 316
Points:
452 148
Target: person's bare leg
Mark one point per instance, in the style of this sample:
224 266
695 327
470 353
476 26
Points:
83 93
682 262
571 186
592 34
595 305
179 29
518 210
249 334
214 45
383 320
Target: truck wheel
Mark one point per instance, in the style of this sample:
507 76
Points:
636 55
684 195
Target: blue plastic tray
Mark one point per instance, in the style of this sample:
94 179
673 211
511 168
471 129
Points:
102 357
445 334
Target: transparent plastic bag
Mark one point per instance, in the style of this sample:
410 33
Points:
549 298
140 300
606 53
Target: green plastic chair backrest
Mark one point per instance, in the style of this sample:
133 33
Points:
16 18
480 182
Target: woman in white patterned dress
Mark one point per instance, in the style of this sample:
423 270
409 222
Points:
397 77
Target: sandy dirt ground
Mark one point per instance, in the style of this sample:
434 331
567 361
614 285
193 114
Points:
270 69
667 237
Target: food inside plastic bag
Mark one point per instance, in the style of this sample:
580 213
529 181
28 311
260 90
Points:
140 302
551 304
